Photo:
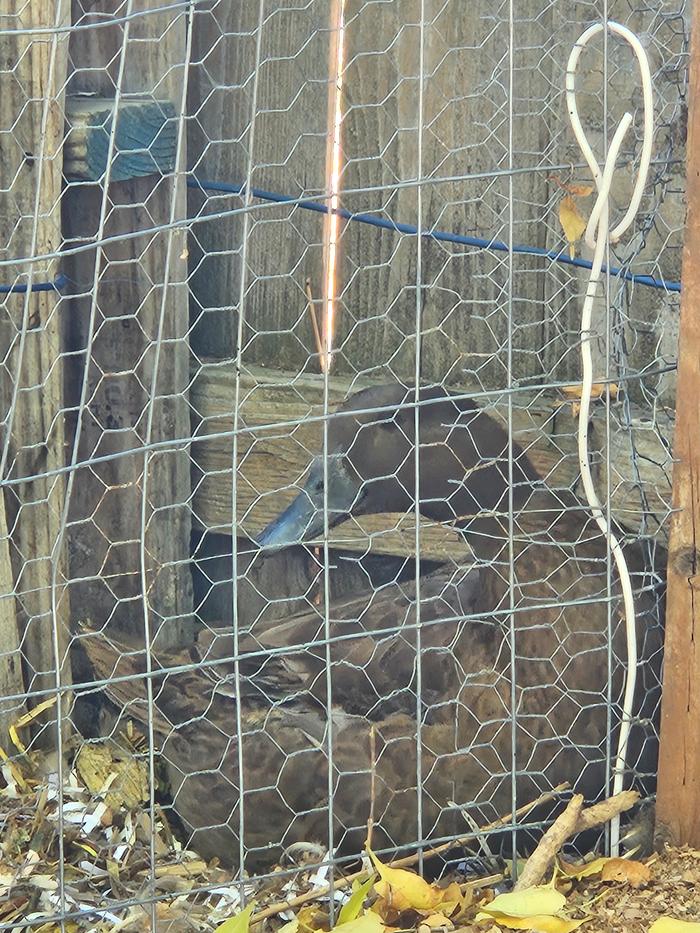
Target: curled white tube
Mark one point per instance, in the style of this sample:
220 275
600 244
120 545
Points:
597 236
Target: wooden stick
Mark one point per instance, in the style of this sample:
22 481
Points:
604 811
542 858
314 321
372 783
573 820
363 874
678 795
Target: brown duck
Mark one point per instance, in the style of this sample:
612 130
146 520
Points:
542 715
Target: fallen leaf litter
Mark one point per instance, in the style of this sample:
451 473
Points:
106 863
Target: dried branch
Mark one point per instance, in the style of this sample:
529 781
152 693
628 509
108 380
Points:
372 783
572 821
542 858
604 811
314 321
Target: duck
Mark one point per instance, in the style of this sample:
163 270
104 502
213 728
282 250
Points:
467 688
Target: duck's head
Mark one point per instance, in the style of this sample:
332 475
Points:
463 464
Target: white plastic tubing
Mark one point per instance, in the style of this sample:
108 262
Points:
597 236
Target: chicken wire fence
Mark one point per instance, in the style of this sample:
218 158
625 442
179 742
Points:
181 314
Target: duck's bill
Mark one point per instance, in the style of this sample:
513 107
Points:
300 523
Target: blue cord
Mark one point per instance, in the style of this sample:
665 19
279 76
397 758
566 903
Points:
439 235
58 283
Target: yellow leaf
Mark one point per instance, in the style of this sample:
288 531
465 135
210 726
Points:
669 925
238 924
308 919
436 920
404 890
626 871
585 870
530 902
367 923
580 191
121 781
352 907
540 923
598 389
86 848
572 222
27 719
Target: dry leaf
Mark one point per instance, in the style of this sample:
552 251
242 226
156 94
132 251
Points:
26 719
579 191
584 870
626 871
405 890
126 778
530 902
367 923
598 389
310 919
436 921
238 924
669 925
541 923
291 927
352 907
572 222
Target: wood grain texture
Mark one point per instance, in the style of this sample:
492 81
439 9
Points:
465 132
273 458
678 799
32 82
106 510
272 115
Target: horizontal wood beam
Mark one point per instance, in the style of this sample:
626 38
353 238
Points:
272 459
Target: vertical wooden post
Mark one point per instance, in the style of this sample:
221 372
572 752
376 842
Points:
32 82
678 800
106 505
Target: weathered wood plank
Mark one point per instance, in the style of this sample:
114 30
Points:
282 135
273 459
465 131
32 81
106 511
678 798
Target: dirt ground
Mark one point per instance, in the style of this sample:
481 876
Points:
673 891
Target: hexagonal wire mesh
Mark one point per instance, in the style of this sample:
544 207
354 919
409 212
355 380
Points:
164 395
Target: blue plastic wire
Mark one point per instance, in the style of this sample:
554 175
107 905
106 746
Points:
440 236
58 283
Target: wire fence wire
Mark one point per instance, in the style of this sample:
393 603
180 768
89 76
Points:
200 200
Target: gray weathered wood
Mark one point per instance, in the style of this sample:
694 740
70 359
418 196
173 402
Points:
465 130
288 154
32 81
106 509
274 459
